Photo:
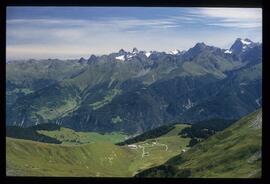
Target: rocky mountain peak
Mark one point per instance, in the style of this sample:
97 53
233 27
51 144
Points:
135 50
194 51
92 59
82 60
122 52
200 45
240 45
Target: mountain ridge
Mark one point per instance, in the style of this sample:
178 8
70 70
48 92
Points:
176 51
135 94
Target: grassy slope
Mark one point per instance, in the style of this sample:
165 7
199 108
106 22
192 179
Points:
157 154
107 99
41 159
234 152
101 158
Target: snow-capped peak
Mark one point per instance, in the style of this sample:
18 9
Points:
241 45
174 52
133 53
246 41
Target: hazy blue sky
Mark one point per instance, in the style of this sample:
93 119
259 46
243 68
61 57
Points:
74 32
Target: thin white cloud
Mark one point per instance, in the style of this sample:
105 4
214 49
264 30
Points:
233 13
233 17
112 23
237 24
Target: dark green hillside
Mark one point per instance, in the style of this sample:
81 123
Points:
213 124
230 98
25 77
44 105
234 152
53 133
31 133
70 137
204 129
149 135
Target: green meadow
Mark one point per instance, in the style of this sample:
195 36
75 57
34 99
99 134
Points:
84 154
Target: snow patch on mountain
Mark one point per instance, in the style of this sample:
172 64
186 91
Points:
245 42
122 57
174 52
148 54
227 51
130 56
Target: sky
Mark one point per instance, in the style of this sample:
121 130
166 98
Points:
75 32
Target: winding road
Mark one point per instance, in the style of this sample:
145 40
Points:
144 153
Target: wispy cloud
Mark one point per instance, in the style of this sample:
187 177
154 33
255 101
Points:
63 37
112 23
223 17
233 13
232 17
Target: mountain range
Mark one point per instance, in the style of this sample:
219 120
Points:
133 92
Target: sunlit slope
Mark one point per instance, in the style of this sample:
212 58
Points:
101 158
153 152
234 152
41 159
